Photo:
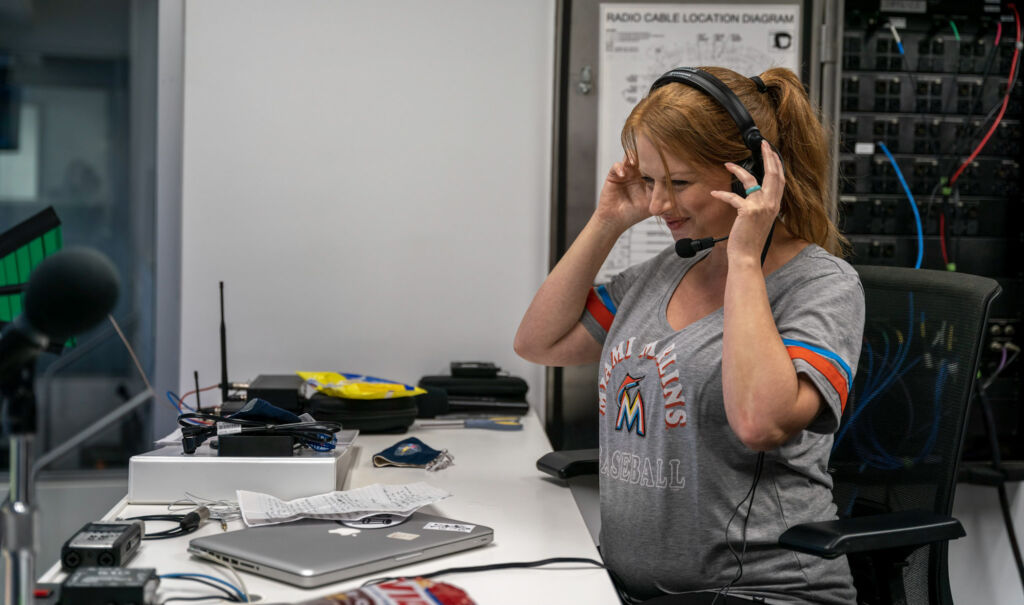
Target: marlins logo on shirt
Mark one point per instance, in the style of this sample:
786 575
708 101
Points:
631 406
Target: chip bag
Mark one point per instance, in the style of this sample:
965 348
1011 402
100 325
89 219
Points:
357 386
401 591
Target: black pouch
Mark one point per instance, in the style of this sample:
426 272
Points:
496 395
500 386
393 415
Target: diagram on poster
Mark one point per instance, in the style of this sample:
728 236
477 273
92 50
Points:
639 42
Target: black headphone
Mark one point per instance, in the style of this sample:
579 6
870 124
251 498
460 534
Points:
752 138
716 89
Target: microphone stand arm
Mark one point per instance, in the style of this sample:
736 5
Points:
18 513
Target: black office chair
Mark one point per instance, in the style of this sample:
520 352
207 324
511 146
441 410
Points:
895 460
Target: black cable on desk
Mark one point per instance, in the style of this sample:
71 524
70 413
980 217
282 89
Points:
187 523
317 435
493 567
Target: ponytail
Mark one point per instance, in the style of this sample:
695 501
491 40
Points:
811 212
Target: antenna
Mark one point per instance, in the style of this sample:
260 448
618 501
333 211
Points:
199 403
223 349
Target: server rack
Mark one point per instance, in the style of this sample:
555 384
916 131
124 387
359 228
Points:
932 88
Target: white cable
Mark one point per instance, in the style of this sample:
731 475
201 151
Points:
131 352
223 511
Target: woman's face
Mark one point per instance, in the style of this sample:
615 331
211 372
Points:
689 210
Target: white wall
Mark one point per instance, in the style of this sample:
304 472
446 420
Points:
981 566
371 181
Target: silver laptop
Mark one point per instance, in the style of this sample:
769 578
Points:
310 553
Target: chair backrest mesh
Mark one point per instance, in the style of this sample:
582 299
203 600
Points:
900 439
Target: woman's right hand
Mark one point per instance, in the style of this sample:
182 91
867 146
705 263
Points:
624 201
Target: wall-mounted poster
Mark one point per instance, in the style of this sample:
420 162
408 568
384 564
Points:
639 42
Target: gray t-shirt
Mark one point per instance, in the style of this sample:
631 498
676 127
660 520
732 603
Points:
672 471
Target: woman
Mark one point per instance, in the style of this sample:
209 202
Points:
706 362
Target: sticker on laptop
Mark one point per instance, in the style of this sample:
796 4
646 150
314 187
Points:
401 535
459 527
345 531
377 521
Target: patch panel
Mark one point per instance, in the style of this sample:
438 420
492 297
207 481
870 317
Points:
892 215
932 107
887 130
972 55
988 176
977 255
934 135
945 94
929 97
927 135
927 52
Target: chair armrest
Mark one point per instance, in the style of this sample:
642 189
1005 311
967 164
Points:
911 528
569 463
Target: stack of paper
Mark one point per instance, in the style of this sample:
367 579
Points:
349 505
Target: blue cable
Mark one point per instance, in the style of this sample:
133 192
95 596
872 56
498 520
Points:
937 409
901 355
869 372
173 399
238 591
913 204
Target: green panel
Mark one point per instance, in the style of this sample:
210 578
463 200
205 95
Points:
11 268
35 251
51 242
5 307
24 264
15 305
60 237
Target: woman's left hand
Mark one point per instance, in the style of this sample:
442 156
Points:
755 213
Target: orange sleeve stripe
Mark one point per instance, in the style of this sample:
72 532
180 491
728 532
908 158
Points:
829 371
596 308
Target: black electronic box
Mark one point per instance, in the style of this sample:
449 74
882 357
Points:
106 544
110 586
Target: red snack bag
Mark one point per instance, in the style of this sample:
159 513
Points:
402 591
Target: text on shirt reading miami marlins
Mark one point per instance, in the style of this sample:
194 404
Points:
671 388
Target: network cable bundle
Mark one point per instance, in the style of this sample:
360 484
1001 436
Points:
258 429
929 166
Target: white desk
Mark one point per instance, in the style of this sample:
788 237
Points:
493 482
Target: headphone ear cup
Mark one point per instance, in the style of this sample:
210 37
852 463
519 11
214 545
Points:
752 166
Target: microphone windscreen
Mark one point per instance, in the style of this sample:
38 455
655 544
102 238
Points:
684 248
70 292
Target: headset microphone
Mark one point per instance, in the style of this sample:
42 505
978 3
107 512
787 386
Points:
687 248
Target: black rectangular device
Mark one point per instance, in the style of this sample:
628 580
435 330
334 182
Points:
106 544
282 390
110 586
474 369
255 445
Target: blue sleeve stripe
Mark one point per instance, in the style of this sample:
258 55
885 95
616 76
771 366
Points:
789 342
606 298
